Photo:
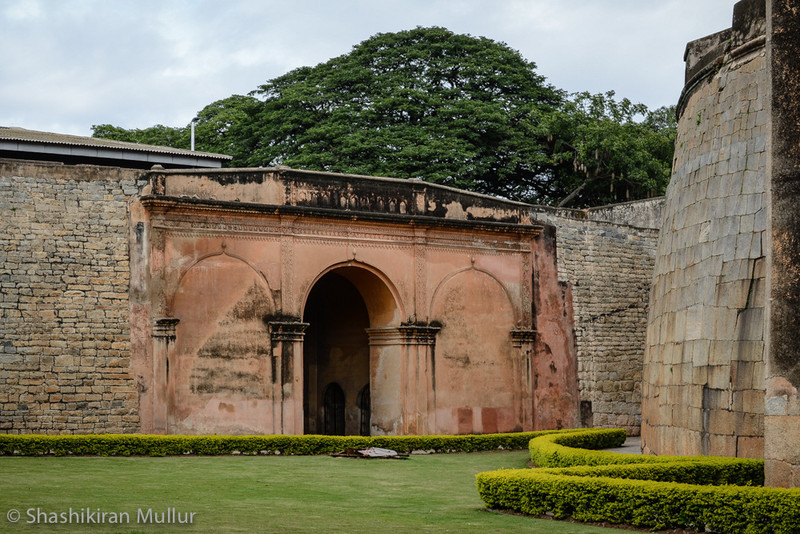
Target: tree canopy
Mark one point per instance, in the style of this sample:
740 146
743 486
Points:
452 109
427 103
602 154
158 135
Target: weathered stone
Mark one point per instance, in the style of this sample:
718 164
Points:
42 217
783 352
607 256
718 177
438 251
406 270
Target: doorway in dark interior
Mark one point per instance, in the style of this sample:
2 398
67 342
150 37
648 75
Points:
336 368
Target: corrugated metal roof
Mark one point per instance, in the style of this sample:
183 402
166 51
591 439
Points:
33 136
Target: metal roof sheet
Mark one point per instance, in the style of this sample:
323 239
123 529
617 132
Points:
45 138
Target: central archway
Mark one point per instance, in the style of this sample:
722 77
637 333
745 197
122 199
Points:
342 305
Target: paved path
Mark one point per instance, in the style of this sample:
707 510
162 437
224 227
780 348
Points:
632 445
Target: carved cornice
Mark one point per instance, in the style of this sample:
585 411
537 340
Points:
184 205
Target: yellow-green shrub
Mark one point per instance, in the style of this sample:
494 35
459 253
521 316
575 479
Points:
647 491
159 445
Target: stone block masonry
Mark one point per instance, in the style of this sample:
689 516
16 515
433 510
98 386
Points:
607 255
704 370
64 278
68 300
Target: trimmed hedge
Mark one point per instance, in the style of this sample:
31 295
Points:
713 472
646 491
171 445
570 449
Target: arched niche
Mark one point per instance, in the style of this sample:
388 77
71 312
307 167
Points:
220 363
475 382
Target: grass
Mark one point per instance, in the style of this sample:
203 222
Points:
434 493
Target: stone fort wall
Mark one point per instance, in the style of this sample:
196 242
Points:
64 333
607 254
703 390
64 307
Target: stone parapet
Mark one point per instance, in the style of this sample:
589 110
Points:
705 57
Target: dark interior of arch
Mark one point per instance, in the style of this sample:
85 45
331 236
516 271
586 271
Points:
335 355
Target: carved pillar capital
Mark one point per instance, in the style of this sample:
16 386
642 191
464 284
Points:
419 334
404 335
522 336
287 330
384 336
165 328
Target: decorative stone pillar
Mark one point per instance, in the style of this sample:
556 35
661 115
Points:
401 379
419 406
522 339
164 335
286 339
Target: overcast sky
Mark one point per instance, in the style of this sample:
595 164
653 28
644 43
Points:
69 64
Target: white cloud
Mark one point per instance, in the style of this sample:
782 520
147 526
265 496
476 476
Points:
135 63
23 10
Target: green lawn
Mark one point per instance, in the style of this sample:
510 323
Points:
434 493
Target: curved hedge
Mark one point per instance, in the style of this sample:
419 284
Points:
646 491
161 445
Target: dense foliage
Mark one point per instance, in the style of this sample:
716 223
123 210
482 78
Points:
427 103
451 109
604 151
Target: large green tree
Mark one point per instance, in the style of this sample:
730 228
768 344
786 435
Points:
224 127
428 103
452 109
227 126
